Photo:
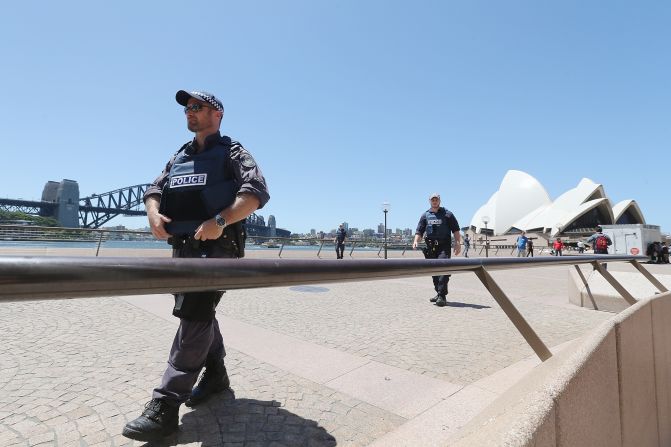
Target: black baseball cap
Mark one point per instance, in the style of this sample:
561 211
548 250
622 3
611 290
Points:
183 96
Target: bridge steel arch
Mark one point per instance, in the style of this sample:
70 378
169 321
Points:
96 210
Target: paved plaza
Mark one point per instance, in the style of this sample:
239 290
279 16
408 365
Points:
346 364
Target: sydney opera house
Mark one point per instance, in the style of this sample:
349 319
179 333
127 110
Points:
522 204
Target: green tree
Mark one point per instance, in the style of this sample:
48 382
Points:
7 217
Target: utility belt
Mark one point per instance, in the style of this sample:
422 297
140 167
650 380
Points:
437 242
232 240
433 246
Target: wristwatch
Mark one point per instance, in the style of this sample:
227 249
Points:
221 222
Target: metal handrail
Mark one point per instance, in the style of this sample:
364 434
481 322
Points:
43 278
52 277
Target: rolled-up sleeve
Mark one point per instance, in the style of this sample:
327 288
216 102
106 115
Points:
249 175
421 225
156 187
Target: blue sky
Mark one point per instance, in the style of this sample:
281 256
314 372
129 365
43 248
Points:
345 104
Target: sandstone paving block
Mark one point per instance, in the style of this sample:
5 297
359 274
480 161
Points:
94 437
56 421
79 412
8 437
71 436
119 441
24 426
42 438
67 407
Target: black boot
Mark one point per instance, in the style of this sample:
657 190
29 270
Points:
158 420
441 301
435 298
214 380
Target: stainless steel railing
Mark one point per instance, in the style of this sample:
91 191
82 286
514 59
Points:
43 278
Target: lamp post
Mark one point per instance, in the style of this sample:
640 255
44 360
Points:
385 209
485 220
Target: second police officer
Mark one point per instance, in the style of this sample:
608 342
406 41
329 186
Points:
437 225
339 241
198 203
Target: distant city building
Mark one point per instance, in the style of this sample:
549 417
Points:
313 232
271 224
346 225
380 228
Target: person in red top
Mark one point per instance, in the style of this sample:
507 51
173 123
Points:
557 245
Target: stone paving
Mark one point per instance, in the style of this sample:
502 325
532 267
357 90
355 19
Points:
392 321
73 372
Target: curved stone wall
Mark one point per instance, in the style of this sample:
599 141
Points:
611 387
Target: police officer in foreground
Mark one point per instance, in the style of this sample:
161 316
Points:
437 225
339 240
198 203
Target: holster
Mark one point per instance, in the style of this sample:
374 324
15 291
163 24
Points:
431 249
231 242
196 306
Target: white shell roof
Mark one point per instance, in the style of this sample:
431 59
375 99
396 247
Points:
518 195
522 202
627 205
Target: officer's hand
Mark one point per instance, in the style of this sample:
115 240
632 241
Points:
457 249
414 245
208 230
157 223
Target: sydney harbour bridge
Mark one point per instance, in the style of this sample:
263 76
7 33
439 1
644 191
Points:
61 201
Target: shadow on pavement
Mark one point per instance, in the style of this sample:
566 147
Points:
225 420
474 306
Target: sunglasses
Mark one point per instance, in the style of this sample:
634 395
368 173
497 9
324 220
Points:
196 108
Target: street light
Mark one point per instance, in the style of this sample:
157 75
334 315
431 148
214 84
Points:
385 209
485 220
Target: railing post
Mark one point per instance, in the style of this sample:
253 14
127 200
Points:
100 240
649 275
279 255
352 250
613 282
513 314
584 281
320 249
405 247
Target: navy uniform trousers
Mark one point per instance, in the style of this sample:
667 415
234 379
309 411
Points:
195 343
439 250
340 249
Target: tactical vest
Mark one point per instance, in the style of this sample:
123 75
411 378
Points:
198 187
436 225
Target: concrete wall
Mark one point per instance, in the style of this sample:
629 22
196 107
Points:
598 294
611 387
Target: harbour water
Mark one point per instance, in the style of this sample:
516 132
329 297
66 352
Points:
152 244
